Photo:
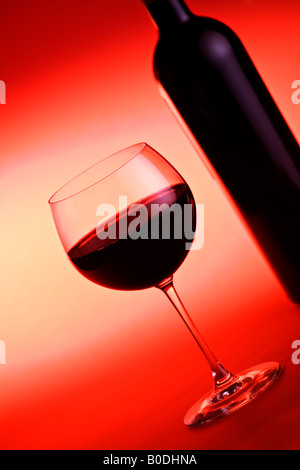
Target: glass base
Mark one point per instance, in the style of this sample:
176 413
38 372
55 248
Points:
234 392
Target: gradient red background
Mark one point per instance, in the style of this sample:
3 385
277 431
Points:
90 368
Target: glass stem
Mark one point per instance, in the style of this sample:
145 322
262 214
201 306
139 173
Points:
220 375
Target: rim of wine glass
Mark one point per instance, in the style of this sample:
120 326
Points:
140 147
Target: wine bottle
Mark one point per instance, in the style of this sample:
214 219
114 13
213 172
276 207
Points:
210 80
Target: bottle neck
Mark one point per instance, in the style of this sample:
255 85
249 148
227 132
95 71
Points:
168 13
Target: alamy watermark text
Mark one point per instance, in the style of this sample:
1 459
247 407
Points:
296 353
2 92
152 221
296 94
2 352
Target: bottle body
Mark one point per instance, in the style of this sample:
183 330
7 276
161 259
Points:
209 77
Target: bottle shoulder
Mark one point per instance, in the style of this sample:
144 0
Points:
202 36
194 29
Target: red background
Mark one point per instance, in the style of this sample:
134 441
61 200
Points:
92 368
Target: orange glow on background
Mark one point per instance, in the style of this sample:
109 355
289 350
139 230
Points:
92 368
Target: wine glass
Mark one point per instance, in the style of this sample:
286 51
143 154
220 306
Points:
128 223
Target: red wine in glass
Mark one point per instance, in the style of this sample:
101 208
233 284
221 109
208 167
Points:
138 260
141 246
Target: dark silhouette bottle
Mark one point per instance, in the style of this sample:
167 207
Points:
211 81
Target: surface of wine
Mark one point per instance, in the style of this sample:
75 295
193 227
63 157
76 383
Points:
139 249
